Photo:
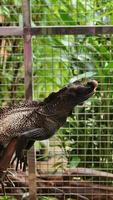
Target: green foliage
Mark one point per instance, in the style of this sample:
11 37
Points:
7 198
89 131
11 11
82 13
47 198
87 138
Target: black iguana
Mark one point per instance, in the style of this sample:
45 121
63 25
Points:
31 121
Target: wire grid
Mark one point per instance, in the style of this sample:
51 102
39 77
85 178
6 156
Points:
87 135
12 88
10 13
71 12
86 139
11 70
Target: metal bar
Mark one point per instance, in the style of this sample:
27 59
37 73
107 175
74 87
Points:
27 50
28 92
28 66
56 30
71 30
11 31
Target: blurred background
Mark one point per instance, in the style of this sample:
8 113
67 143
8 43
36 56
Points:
86 140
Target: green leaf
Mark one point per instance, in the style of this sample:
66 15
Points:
66 17
81 76
74 162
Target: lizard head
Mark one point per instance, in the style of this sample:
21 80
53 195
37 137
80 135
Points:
61 103
72 95
78 93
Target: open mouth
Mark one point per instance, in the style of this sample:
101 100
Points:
91 86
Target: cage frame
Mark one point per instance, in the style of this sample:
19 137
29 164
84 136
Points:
26 32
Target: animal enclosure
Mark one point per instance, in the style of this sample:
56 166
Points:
44 46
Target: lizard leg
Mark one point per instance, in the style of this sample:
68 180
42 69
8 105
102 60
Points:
21 157
25 142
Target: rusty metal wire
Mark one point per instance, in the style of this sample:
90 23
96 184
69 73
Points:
86 140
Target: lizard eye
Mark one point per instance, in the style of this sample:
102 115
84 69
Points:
77 90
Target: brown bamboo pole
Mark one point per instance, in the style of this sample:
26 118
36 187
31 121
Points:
28 92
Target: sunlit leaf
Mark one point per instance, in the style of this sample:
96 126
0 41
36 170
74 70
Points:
81 76
74 162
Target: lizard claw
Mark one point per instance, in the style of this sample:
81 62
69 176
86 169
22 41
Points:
21 161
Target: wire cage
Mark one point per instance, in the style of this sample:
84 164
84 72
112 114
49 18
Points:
44 45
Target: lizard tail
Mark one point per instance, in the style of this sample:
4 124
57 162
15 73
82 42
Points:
5 161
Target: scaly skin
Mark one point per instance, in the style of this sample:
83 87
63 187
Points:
31 121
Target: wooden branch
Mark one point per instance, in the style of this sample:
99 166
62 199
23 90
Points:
88 172
63 186
78 172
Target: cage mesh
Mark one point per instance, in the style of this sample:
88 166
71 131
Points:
11 69
86 139
85 142
71 12
12 88
10 13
